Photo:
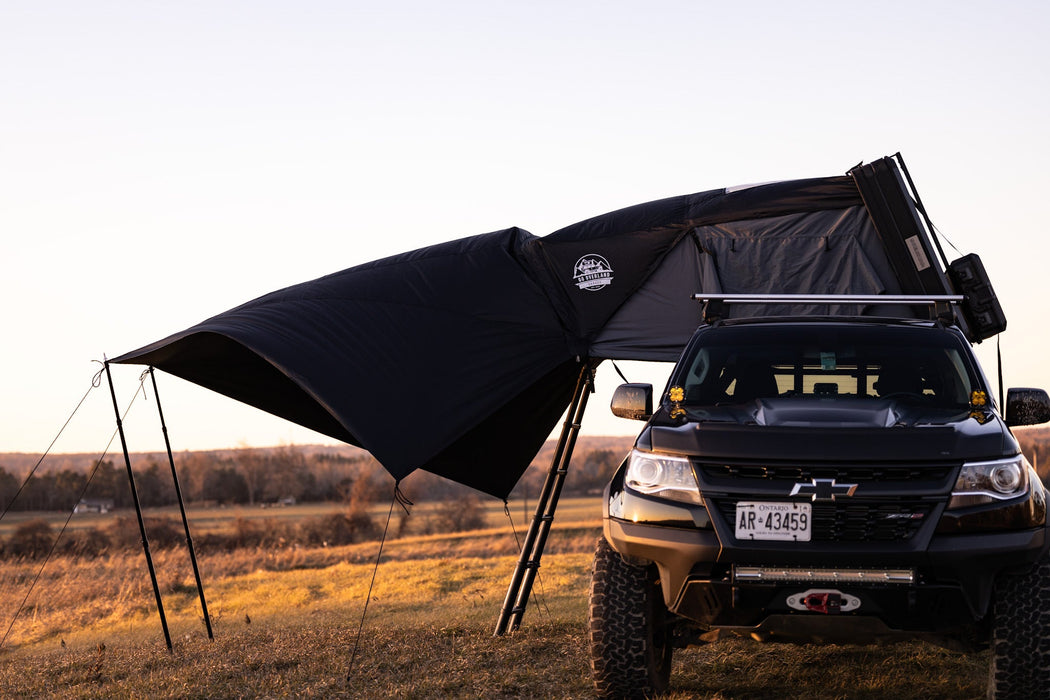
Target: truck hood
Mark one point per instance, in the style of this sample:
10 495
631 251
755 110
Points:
844 429
842 413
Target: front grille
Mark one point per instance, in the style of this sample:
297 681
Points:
856 521
854 473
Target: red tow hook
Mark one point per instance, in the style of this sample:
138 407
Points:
829 603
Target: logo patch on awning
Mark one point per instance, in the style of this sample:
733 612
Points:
592 272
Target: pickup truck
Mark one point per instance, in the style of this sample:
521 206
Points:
823 479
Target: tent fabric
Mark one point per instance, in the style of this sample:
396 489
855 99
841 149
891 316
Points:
401 356
638 237
663 306
460 358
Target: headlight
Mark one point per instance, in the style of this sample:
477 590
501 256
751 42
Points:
987 482
663 476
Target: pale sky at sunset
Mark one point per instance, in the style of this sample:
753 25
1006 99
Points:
163 162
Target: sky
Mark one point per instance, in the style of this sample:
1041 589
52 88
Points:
163 162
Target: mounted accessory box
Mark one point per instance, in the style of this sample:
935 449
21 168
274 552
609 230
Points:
984 316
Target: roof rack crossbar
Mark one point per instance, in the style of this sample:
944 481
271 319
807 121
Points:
924 299
715 305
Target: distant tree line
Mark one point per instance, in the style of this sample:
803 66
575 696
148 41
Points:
36 538
256 476
245 477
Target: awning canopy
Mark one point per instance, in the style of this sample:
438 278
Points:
460 358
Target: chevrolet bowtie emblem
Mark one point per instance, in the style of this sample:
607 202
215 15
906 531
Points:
823 489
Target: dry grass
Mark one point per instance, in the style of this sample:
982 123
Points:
546 659
286 620
115 592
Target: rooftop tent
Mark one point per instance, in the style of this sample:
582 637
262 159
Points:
460 358
812 236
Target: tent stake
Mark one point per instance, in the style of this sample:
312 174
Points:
182 509
138 509
536 539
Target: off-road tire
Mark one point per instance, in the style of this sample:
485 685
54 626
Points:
630 642
1021 635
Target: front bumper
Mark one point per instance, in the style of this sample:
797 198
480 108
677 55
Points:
952 588
698 557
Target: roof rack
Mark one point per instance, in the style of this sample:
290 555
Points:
715 305
925 299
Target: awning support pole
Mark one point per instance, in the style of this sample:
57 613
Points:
182 510
536 539
138 509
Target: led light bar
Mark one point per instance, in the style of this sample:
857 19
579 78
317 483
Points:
771 574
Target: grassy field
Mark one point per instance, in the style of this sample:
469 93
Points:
221 518
286 622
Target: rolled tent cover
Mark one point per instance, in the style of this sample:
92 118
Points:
460 358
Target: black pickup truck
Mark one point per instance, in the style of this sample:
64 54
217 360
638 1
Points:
824 480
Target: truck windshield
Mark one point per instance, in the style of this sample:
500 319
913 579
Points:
738 364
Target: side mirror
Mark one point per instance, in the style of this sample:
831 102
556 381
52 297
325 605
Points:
1027 407
634 401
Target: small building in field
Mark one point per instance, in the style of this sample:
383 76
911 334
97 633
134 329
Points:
94 505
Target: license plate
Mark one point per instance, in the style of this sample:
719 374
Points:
767 520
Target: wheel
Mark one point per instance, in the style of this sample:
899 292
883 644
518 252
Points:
1021 635
629 632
